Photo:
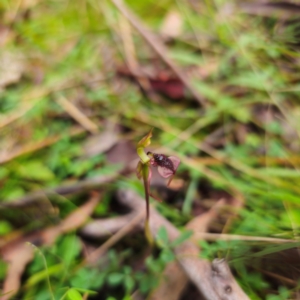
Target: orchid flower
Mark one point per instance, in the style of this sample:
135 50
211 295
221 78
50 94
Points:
166 167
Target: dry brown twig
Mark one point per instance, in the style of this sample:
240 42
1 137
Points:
130 53
77 115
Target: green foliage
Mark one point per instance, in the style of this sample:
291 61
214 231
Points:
284 293
34 170
162 237
185 235
5 227
245 67
66 273
73 294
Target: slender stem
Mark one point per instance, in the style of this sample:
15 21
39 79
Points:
146 188
146 178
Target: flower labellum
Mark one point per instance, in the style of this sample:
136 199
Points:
166 165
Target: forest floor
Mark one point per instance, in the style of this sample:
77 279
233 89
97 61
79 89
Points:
82 82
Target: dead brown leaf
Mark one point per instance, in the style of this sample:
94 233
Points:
17 257
173 283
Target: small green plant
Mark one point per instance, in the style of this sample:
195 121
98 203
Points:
166 166
54 273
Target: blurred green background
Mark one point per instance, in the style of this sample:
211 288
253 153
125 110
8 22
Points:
80 86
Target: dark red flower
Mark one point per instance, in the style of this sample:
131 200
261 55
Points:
166 165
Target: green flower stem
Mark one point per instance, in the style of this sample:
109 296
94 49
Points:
143 156
145 173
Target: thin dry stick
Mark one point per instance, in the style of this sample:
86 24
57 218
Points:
77 115
129 48
233 237
158 46
116 237
284 279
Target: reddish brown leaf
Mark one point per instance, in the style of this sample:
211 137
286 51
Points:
17 257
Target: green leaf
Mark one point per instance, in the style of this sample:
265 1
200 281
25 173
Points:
167 255
242 114
115 278
35 170
142 144
185 235
14 193
127 270
185 57
162 236
42 275
129 283
87 278
86 291
106 170
252 80
280 172
3 172
69 248
73 294
190 195
5 227
270 250
155 266
3 267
